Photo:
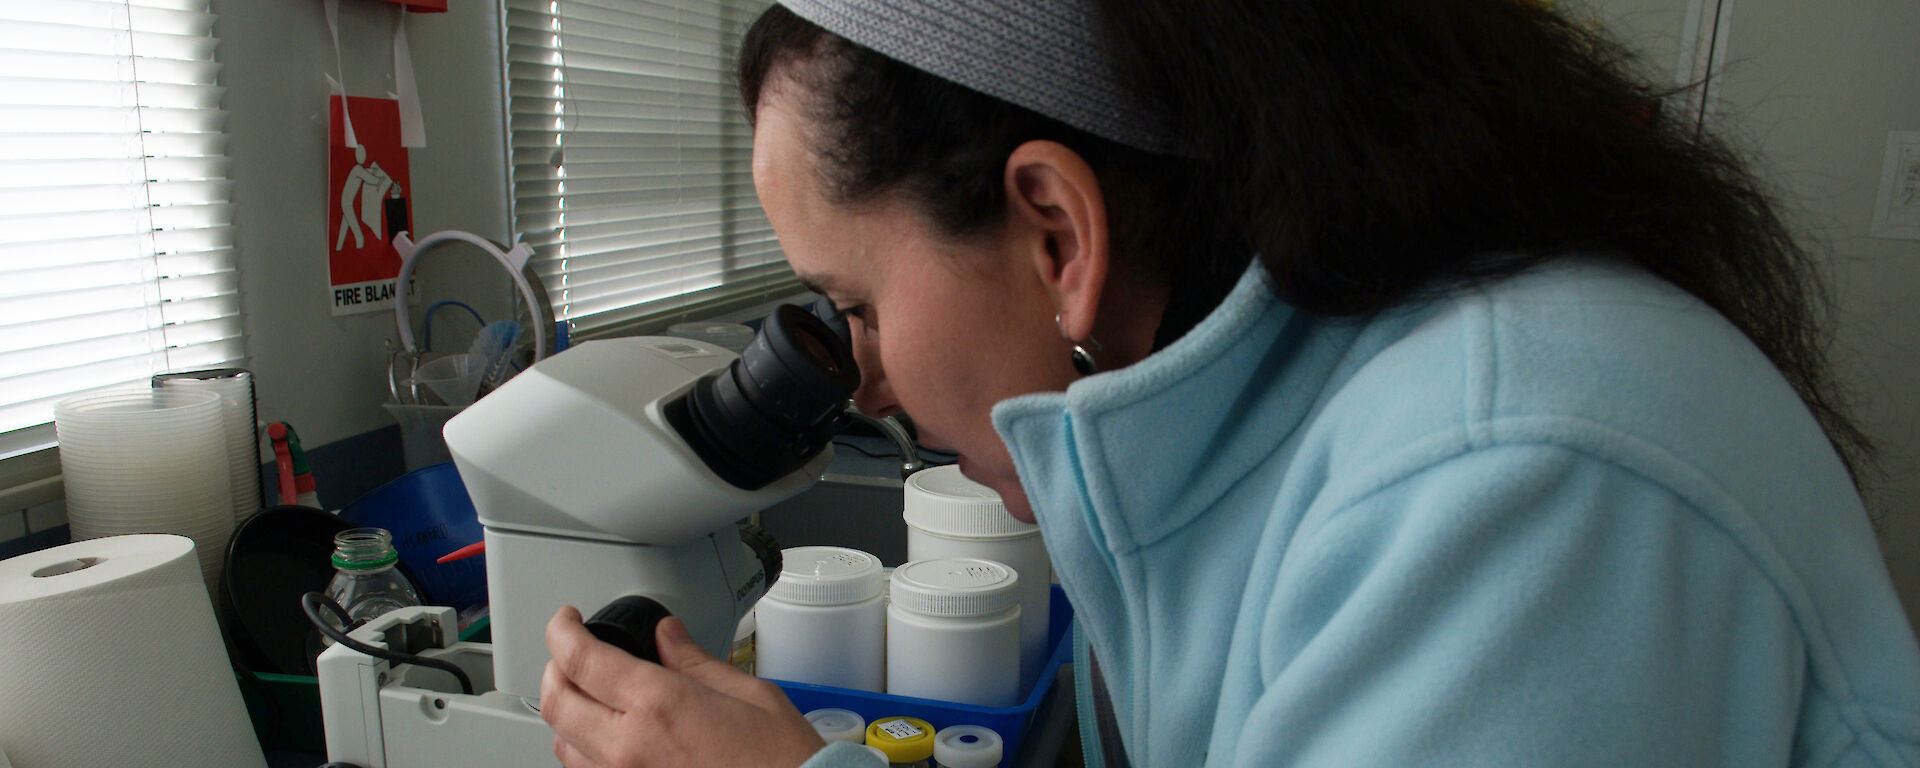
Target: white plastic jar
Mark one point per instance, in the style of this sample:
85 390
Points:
953 632
948 515
967 746
835 724
822 622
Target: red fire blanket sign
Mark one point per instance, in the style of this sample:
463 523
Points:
366 204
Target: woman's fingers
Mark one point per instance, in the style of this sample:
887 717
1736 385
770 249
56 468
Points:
605 673
570 756
611 710
679 653
574 716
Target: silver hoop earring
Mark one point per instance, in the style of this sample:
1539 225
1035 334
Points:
1083 361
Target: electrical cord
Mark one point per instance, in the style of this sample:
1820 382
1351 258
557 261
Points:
311 603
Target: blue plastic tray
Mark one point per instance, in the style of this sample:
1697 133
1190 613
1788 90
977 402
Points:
1010 722
429 514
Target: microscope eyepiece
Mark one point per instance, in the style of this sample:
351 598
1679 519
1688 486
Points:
777 406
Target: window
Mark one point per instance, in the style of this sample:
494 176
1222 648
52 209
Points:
631 157
116 260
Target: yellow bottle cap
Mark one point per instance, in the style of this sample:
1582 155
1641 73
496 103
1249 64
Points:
904 739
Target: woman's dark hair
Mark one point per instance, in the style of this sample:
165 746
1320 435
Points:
1370 151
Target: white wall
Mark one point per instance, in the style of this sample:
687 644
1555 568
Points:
324 374
1817 87
1812 89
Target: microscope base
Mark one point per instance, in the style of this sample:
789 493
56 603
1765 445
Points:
378 715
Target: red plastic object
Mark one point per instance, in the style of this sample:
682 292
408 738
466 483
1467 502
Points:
476 548
283 460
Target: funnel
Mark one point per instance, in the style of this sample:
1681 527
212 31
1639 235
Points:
454 378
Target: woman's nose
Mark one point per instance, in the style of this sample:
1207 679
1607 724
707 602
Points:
874 397
875 400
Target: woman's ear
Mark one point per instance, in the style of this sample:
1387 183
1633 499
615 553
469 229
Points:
1058 216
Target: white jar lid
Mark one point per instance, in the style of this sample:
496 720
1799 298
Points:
839 724
826 576
955 587
943 501
967 746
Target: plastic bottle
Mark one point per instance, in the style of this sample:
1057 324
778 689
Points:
953 632
948 515
822 622
967 746
742 653
835 724
366 585
906 741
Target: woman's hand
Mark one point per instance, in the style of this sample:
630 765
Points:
612 710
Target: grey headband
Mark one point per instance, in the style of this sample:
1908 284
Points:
1038 54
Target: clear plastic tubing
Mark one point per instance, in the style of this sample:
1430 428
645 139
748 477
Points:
822 622
948 515
953 632
967 746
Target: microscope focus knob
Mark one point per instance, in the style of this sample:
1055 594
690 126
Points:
766 549
627 623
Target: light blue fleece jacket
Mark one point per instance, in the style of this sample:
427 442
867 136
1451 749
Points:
1571 518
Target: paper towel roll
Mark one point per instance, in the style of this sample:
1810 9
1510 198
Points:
109 655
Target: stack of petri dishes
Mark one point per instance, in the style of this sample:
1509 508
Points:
235 387
148 461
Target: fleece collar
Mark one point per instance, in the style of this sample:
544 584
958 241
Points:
1140 451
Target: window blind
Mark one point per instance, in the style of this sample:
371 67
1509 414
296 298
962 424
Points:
632 175
116 256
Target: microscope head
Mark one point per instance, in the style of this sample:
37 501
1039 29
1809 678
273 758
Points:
655 440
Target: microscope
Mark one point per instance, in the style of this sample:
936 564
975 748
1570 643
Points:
613 476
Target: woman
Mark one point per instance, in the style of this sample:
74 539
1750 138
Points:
1393 383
